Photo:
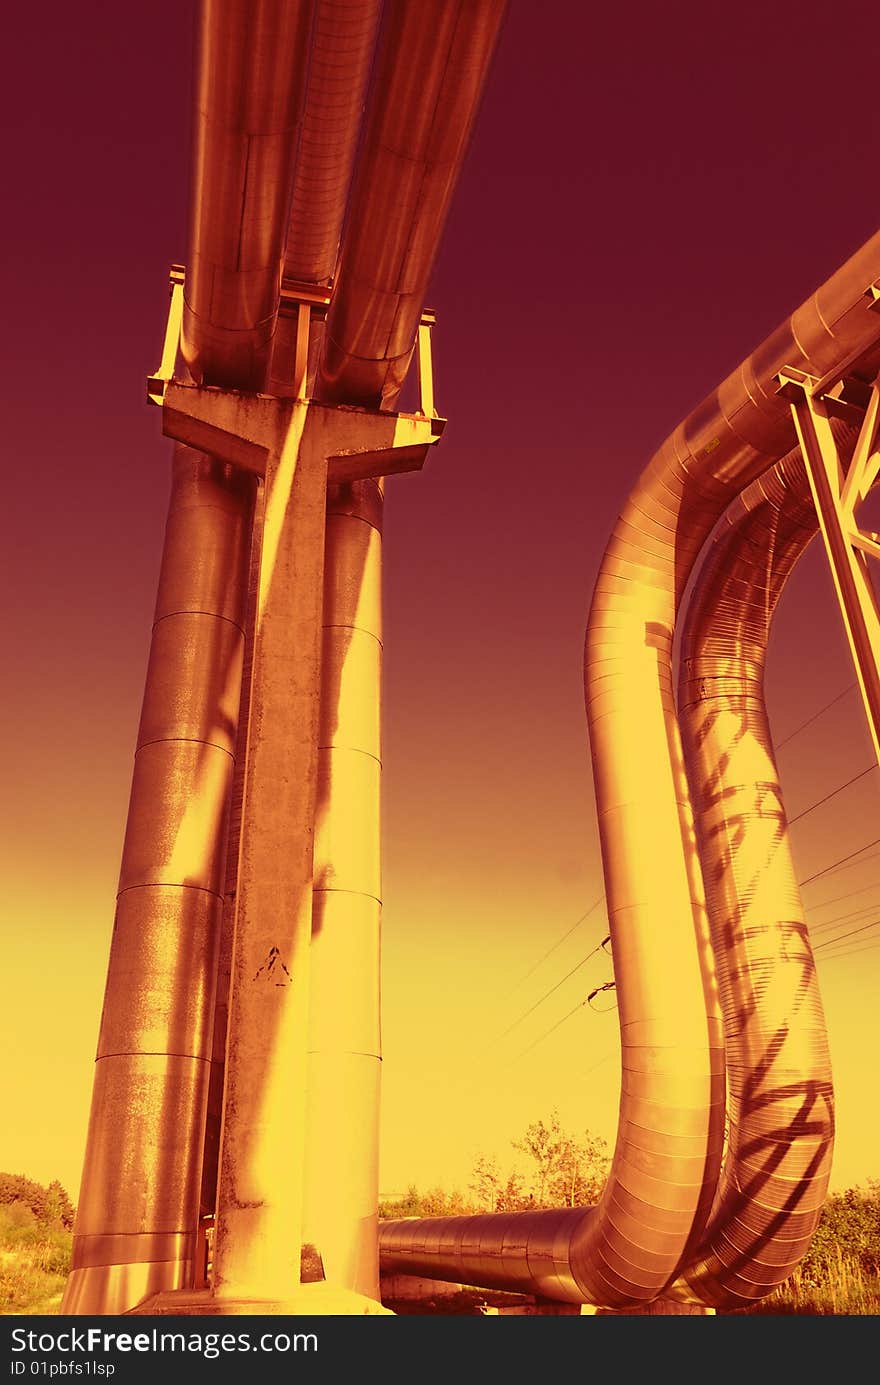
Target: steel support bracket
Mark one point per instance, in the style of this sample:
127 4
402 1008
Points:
837 489
301 302
164 371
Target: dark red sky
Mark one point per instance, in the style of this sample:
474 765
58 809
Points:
650 190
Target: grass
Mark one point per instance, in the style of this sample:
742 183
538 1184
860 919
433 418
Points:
34 1263
845 1289
35 1260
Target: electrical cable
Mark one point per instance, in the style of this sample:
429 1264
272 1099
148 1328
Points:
583 918
839 898
834 792
547 994
841 862
815 717
829 942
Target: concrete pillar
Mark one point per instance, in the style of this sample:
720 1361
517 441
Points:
342 1154
214 1115
260 1186
137 1221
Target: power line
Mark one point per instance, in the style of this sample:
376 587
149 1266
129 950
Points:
815 717
839 898
608 986
567 934
834 792
840 862
552 1030
851 951
547 994
844 918
829 942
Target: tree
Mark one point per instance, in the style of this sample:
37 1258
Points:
436 1202
580 1172
545 1144
566 1171
58 1205
49 1206
485 1183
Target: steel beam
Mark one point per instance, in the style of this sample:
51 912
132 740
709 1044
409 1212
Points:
837 489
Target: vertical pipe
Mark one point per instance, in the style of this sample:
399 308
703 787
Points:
342 1156
259 1200
780 1098
137 1221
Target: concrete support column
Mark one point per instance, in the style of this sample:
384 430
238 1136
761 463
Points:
136 1227
259 1202
342 1155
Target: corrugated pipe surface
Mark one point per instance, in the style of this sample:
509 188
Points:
341 55
780 1099
432 62
251 64
667 1154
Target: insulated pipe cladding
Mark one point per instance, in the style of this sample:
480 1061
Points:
251 66
632 1245
432 62
343 43
137 1220
342 1125
780 1100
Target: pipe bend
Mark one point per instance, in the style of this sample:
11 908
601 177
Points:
780 1102
651 1219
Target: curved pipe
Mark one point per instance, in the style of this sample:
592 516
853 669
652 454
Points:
780 1098
342 49
432 63
659 1192
251 61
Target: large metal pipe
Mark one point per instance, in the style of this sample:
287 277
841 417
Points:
780 1099
251 65
343 42
342 1127
663 1175
138 1214
431 67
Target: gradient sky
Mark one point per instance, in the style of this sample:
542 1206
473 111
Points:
650 190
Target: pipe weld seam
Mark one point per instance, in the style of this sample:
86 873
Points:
171 885
210 615
345 514
151 1053
342 1053
354 749
358 894
184 740
342 625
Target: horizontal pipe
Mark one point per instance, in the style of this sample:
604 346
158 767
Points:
251 64
431 67
343 43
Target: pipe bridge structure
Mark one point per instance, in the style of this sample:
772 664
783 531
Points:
231 1161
